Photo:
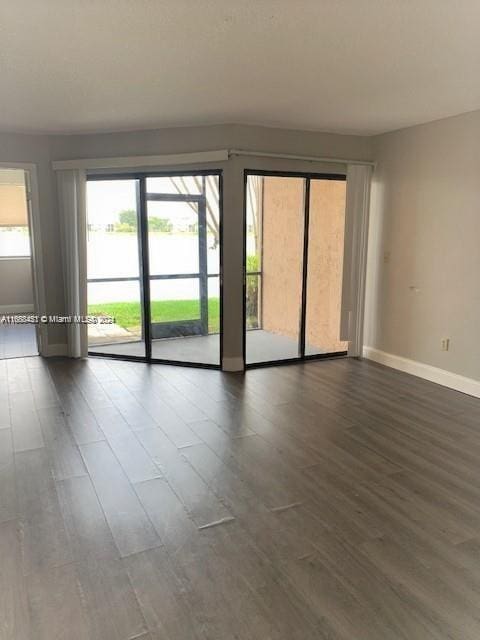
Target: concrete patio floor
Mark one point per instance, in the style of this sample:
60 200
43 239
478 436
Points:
261 346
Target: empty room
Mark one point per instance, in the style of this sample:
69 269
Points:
239 304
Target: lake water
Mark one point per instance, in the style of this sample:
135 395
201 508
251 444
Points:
115 255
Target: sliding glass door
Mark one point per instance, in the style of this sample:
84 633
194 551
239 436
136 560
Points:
294 235
115 295
175 226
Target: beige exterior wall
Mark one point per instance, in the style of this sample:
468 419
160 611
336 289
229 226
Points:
283 259
325 265
282 255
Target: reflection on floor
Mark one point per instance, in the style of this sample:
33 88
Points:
17 340
262 346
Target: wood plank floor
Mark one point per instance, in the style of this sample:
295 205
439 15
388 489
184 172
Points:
333 500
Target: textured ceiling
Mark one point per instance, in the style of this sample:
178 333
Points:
348 66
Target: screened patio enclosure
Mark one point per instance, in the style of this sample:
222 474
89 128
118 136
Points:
154 266
294 254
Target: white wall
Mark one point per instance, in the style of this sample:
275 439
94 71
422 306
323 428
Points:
425 234
186 139
16 292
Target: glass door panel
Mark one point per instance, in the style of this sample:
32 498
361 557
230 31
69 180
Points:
154 267
176 249
173 237
294 245
114 290
183 227
274 267
186 184
324 267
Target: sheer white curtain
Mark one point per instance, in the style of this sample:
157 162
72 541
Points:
73 221
355 250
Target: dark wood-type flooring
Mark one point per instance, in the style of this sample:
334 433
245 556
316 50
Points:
333 500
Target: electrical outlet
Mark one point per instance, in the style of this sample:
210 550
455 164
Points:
445 344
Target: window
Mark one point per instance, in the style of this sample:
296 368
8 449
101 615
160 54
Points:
14 233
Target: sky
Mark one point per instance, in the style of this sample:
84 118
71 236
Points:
106 198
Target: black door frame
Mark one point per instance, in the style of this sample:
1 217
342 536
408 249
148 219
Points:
144 265
308 177
198 326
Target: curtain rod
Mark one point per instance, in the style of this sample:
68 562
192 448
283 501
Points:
129 162
289 156
219 155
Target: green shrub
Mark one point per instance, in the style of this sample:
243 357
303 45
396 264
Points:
252 293
160 224
123 227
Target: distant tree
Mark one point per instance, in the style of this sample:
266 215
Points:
128 216
121 227
160 224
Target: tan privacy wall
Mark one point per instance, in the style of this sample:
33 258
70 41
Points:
282 255
283 221
325 265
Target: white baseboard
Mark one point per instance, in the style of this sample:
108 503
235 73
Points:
16 308
454 381
232 364
53 350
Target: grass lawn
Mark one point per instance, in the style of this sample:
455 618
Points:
128 314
